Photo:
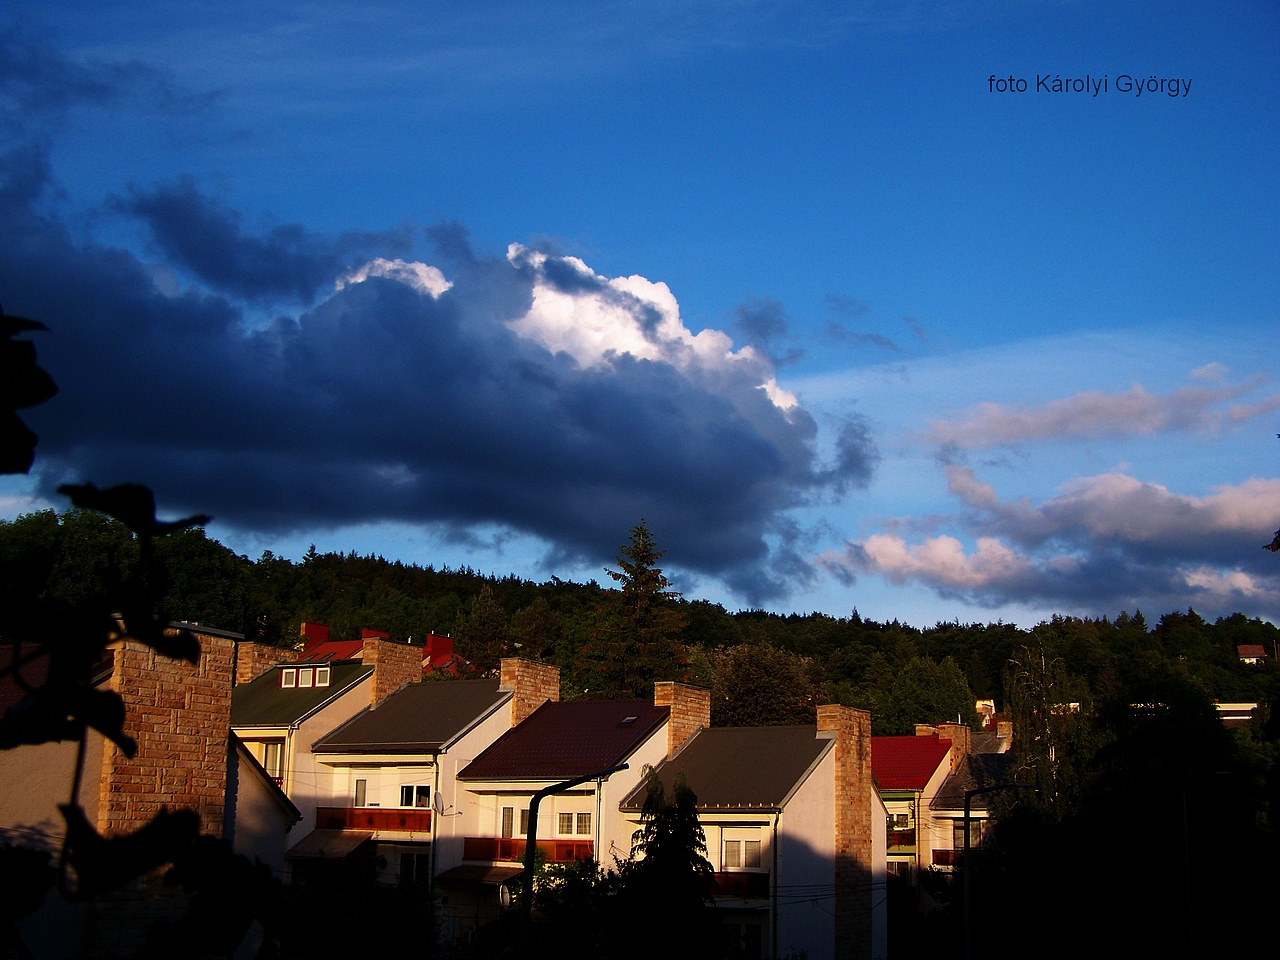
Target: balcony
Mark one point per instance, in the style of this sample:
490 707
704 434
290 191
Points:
947 858
512 849
742 885
902 840
390 820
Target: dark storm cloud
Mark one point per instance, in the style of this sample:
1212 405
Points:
839 333
288 261
387 403
763 323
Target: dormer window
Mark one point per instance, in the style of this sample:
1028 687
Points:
306 676
322 676
289 677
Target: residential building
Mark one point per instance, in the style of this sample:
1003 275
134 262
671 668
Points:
389 774
909 772
974 771
551 744
280 713
795 833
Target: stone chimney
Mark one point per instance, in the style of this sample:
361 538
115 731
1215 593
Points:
531 684
1004 730
253 659
180 715
926 730
853 867
394 665
959 735
690 710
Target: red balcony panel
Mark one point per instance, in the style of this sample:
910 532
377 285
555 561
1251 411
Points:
742 885
947 858
512 849
902 838
373 818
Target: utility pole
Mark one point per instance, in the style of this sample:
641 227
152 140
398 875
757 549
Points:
531 848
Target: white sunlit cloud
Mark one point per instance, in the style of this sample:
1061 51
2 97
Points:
420 276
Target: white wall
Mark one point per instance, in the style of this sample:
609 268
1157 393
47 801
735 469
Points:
806 855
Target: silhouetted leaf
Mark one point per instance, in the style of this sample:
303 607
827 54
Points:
55 713
103 864
133 504
180 645
26 876
22 384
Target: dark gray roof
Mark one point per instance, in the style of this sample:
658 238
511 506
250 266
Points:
740 768
986 741
974 771
262 702
559 741
418 718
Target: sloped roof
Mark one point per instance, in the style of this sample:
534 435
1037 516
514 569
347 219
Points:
906 763
418 718
262 703
974 772
559 741
332 650
740 768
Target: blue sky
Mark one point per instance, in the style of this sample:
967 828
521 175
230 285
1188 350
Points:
484 284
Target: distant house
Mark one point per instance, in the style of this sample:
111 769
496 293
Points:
551 744
1252 653
974 771
909 772
795 833
437 651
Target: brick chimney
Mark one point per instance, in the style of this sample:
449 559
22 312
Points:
1004 730
690 710
853 867
180 715
926 730
531 684
394 665
253 659
959 735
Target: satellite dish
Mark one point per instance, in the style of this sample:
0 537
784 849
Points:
504 896
437 804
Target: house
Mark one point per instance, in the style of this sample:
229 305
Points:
551 744
187 757
974 771
387 777
437 651
1251 653
909 772
795 833
289 705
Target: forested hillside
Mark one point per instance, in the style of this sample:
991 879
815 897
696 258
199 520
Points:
615 640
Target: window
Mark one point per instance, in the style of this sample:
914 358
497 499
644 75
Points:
305 676
524 822
901 821
415 796
564 824
742 854
957 834
273 758
289 677
584 824
508 821
322 676
362 791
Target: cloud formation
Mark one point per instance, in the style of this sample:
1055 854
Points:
1105 543
1093 415
524 391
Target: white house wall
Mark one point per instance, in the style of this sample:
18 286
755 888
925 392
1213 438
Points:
879 878
806 867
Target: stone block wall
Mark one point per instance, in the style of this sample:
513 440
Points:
958 734
853 866
253 659
690 710
532 685
394 665
180 715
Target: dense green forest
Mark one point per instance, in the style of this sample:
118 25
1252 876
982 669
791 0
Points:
762 667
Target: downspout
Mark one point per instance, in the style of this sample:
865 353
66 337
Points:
437 808
773 906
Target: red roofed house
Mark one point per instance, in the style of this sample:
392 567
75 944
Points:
553 743
1254 653
909 772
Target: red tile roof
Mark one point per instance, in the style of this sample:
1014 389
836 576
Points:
906 763
332 650
559 741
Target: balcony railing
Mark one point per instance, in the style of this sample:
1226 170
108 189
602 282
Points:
373 818
742 885
902 839
947 858
512 848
